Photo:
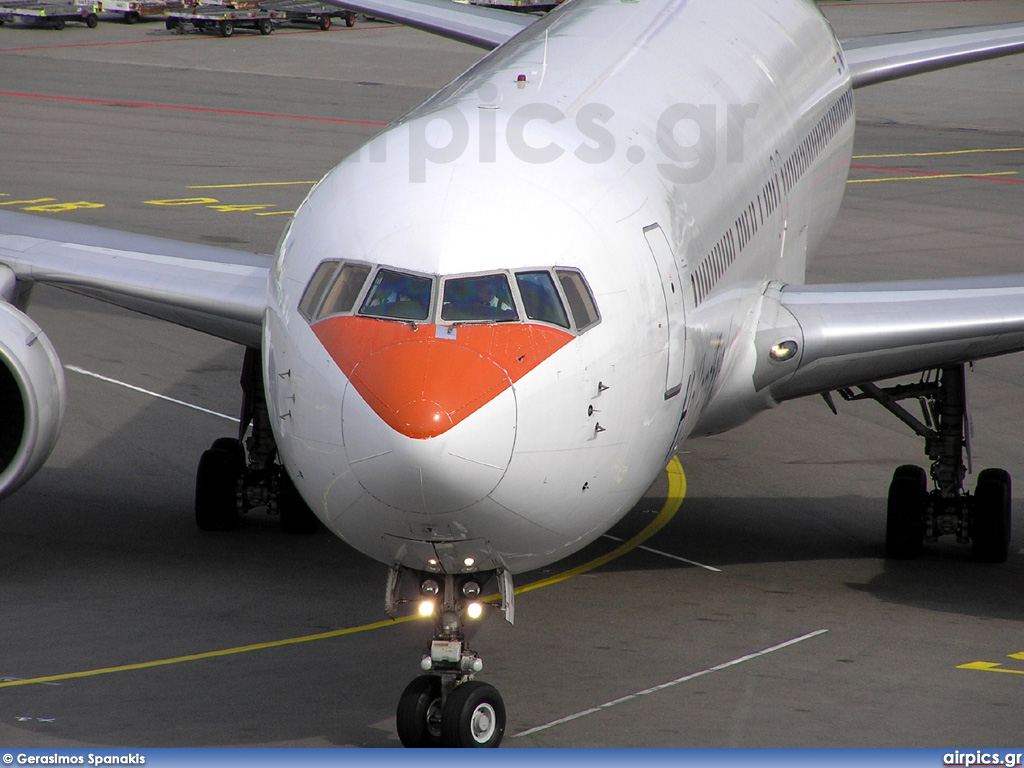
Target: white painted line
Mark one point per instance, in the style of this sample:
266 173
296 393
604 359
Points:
669 555
671 683
157 395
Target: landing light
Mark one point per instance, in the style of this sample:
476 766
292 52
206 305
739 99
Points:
473 610
471 590
427 608
782 351
430 587
469 562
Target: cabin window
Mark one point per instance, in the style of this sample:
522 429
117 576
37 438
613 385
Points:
581 302
483 297
540 298
398 295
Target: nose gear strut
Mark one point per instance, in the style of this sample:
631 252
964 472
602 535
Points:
446 707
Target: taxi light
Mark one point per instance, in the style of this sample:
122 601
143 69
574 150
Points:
430 587
471 590
782 351
427 608
474 610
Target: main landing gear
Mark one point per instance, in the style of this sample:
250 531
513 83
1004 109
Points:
916 514
232 480
447 707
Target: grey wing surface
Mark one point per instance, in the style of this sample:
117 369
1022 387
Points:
218 291
483 27
880 58
847 335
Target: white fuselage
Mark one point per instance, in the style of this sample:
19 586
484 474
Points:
677 155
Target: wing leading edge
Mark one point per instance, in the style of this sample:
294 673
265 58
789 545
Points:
852 334
483 27
880 58
218 291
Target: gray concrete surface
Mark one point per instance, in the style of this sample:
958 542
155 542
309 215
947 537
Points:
101 565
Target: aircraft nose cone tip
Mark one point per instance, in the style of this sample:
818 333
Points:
421 419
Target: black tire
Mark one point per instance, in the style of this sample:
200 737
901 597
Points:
904 520
217 490
419 713
92 21
350 19
296 516
234 447
59 24
131 17
325 23
473 716
172 23
990 517
265 26
227 28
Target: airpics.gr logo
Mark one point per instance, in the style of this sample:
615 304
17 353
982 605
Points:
686 145
978 757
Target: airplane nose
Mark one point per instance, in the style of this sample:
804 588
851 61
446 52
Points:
429 412
432 459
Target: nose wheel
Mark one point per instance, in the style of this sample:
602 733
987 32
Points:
447 707
473 715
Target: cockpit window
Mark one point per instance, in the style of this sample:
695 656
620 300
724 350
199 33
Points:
332 290
540 298
581 302
315 290
344 290
398 295
484 297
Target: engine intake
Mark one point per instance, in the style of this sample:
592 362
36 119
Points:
32 397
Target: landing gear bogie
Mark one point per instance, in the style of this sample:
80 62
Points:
915 514
235 476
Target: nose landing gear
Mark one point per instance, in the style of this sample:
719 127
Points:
447 707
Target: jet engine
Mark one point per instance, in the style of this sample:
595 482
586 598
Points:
32 397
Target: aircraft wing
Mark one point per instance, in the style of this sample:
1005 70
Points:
218 291
852 334
878 58
483 27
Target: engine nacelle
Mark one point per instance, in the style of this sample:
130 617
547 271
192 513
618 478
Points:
32 397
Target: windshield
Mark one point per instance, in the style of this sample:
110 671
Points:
485 297
398 295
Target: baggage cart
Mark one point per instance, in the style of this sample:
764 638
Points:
224 19
49 14
310 12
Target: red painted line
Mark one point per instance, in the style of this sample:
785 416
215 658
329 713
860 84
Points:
935 173
210 110
178 39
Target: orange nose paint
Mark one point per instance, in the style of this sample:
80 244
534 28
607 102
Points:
422 385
